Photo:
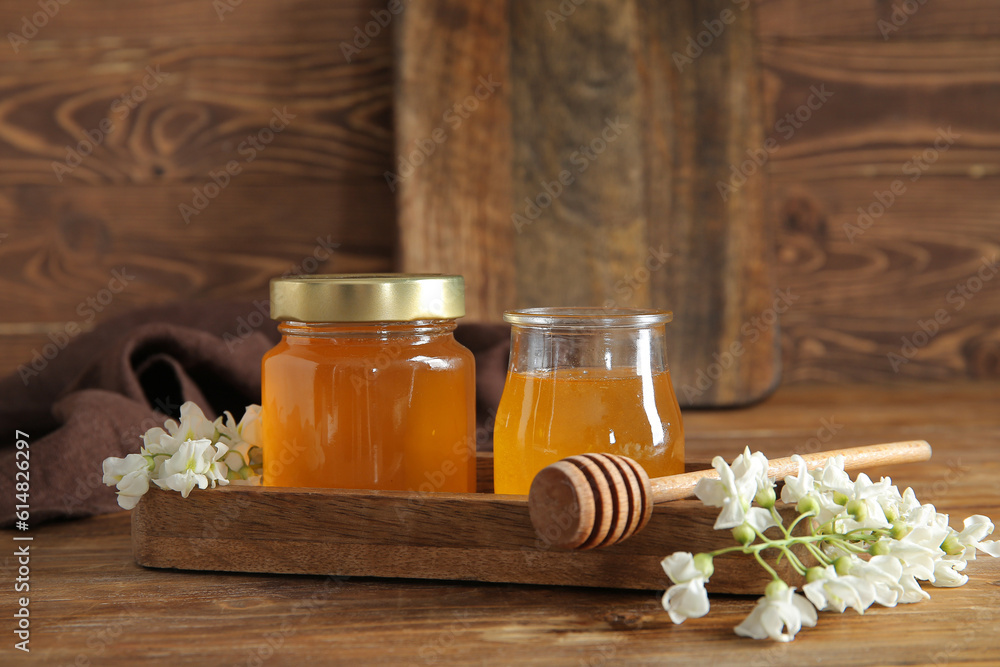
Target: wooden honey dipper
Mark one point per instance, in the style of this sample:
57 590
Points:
596 500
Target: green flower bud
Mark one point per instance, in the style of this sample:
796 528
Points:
775 587
766 498
890 514
880 548
952 546
899 531
744 534
843 565
857 509
815 573
840 498
808 505
704 564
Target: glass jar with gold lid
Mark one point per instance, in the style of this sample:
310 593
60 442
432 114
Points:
368 388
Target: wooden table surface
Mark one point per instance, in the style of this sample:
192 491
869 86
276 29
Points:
92 605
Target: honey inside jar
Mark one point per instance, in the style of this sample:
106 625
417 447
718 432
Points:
369 404
586 380
571 412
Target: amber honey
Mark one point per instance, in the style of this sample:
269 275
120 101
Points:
576 411
586 380
369 404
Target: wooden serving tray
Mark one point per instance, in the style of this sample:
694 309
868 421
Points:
459 536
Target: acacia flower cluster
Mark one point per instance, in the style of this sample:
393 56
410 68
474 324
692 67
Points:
195 452
867 542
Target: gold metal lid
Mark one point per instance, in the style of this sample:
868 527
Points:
367 297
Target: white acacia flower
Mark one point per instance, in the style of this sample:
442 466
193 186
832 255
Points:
916 559
736 487
831 477
947 572
130 475
247 430
798 486
687 598
912 592
870 497
883 573
753 465
680 567
194 425
779 609
759 519
976 528
115 469
196 463
834 592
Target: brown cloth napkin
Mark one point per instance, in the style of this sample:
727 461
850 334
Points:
98 395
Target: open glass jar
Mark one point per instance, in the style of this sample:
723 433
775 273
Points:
586 380
368 388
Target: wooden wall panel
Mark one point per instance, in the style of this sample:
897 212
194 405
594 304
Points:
314 186
451 170
195 109
885 20
868 286
195 21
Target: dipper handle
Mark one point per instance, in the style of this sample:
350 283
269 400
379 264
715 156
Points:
676 487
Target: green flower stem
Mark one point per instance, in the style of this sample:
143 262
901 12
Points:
794 560
763 564
796 522
818 554
781 524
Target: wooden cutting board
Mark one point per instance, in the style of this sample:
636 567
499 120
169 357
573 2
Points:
558 155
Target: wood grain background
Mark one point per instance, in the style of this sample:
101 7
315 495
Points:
322 177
